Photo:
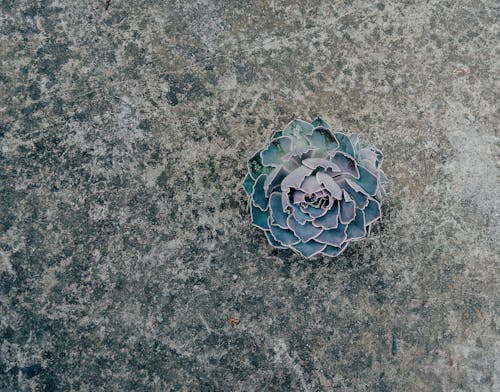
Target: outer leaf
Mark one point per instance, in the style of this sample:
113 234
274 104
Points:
277 134
248 184
297 129
334 237
359 198
299 154
367 181
345 163
274 179
283 236
259 217
258 195
383 178
372 211
309 249
324 139
273 242
273 154
305 232
357 228
355 142
367 154
319 122
345 144
334 251
255 166
380 157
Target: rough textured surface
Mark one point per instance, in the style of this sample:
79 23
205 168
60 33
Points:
124 241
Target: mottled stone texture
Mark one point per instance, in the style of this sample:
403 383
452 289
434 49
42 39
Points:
124 241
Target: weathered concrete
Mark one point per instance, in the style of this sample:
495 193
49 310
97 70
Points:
125 244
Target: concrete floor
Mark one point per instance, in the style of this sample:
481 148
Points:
124 241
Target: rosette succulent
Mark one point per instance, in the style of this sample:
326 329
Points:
313 189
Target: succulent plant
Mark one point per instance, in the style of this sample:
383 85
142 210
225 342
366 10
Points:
313 189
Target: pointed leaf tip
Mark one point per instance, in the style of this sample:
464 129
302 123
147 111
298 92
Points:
309 249
248 183
319 122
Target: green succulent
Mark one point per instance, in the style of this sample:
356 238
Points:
313 189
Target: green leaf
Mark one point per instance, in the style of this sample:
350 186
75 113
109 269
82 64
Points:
248 184
277 134
345 144
273 154
297 129
259 218
319 122
255 166
323 139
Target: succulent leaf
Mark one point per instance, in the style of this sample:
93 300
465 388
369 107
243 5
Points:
346 163
278 216
379 155
277 134
258 195
372 211
330 185
274 179
310 185
314 212
309 249
357 228
295 178
334 251
367 154
347 209
334 237
300 216
354 142
297 129
273 154
255 166
330 220
345 144
360 199
304 232
323 138
367 181
259 217
283 236
248 184
299 154
272 241
315 163
319 122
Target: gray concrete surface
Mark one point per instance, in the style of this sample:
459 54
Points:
124 241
